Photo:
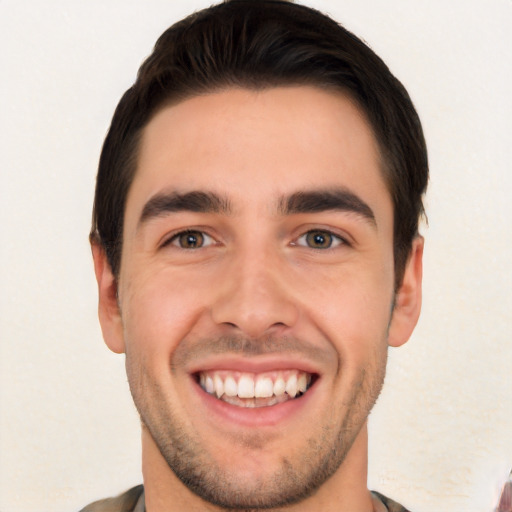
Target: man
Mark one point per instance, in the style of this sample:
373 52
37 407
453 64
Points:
256 247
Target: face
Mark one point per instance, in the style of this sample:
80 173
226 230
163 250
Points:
256 290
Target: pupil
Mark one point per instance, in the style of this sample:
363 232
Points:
319 239
191 240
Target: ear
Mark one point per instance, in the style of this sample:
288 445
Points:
408 298
108 306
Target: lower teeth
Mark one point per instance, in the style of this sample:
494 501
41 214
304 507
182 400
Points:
256 402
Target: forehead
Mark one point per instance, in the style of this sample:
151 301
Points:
258 145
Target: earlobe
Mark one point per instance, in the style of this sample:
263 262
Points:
408 298
108 307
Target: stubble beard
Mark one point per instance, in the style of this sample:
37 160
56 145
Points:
297 478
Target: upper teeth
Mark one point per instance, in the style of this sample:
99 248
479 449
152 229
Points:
250 385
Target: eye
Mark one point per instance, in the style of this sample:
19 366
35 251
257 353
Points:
191 239
319 239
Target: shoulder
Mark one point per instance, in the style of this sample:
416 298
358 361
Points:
125 502
391 506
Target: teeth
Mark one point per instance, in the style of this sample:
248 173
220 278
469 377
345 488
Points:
264 388
302 383
246 387
219 386
279 387
274 387
291 386
208 385
230 387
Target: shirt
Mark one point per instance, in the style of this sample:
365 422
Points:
133 501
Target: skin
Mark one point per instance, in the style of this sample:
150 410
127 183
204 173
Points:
258 292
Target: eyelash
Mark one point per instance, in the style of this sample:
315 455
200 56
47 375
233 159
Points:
190 232
333 239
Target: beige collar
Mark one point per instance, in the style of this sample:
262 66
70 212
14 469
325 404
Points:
378 506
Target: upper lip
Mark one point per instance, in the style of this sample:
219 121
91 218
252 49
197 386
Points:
256 364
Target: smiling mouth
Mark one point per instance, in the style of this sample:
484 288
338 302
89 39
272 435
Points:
243 389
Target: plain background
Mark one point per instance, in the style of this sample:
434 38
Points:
441 432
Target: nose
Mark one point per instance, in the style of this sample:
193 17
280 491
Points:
255 297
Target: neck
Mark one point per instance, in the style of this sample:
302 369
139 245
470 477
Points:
346 490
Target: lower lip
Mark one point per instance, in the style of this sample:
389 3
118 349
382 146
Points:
254 416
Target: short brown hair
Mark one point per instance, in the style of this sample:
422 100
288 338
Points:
258 44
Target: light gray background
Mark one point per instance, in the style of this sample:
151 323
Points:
441 433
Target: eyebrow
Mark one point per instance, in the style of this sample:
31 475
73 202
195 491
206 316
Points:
194 201
311 201
316 201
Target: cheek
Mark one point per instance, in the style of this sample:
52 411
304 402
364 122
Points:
353 309
159 309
